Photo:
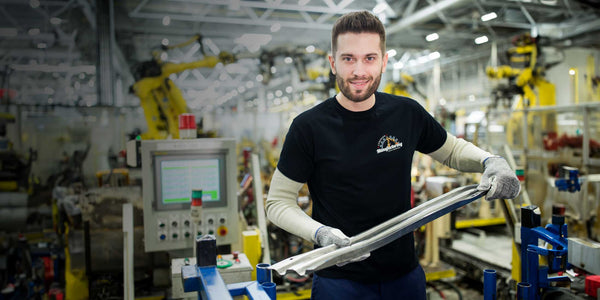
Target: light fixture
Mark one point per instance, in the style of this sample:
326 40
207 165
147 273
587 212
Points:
288 60
275 27
442 101
380 7
398 65
480 40
391 53
33 31
572 72
259 77
432 37
289 89
55 21
165 42
310 49
433 55
166 20
489 16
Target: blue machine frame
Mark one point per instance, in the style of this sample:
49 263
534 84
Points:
205 279
534 276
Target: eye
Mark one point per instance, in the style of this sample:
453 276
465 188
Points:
347 58
371 58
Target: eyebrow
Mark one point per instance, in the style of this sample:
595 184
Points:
368 54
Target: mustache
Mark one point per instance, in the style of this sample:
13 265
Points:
361 78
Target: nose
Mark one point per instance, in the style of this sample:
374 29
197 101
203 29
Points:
359 69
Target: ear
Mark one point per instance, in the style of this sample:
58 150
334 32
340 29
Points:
332 64
385 61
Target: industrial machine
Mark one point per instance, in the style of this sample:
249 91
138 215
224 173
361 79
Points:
525 74
160 98
171 169
203 277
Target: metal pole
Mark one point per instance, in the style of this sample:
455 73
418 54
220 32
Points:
128 283
489 284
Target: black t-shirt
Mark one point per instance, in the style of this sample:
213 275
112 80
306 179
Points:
357 166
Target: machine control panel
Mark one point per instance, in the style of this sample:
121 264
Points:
171 169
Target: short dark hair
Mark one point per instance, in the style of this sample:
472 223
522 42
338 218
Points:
357 22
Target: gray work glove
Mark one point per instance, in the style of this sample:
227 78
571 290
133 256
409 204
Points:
326 236
499 179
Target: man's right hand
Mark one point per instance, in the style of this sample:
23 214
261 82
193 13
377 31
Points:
328 235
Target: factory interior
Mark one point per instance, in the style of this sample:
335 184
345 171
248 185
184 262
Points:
138 139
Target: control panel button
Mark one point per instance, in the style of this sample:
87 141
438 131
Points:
175 235
161 225
211 221
174 224
162 237
186 223
211 232
222 220
187 234
222 231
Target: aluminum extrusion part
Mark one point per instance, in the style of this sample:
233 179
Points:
380 235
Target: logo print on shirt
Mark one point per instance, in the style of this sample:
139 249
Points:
388 143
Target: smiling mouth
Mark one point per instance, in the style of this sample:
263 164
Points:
359 83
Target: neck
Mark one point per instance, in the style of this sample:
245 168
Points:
355 106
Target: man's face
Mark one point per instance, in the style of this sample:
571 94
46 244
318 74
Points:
358 64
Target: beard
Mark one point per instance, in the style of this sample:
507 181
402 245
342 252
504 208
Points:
359 95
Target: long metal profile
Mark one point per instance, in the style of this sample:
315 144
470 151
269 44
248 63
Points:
379 235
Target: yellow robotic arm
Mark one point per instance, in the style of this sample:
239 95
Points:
162 100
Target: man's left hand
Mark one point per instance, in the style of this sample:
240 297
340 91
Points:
499 179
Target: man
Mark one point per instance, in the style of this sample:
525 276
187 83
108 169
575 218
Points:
355 151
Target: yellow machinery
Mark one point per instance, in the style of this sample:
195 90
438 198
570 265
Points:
160 98
401 87
526 79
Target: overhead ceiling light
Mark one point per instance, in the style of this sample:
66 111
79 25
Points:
55 21
391 53
310 49
398 65
480 40
489 16
432 37
380 7
288 60
275 27
33 31
434 55
7 32
165 42
166 20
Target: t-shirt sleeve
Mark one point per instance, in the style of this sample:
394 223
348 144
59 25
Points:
296 158
433 135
